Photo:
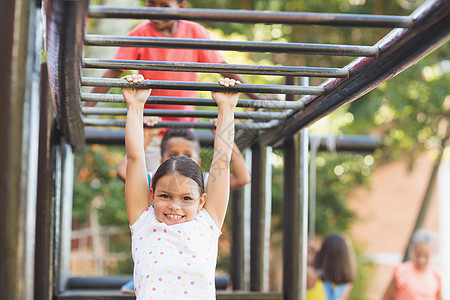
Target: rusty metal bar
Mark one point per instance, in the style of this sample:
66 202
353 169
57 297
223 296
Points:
213 68
245 16
169 124
64 45
299 48
45 203
269 104
254 115
202 86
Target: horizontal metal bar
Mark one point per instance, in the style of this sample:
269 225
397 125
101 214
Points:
118 98
213 68
253 115
202 86
353 143
349 143
117 137
249 46
168 124
245 16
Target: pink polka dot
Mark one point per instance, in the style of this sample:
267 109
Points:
135 249
140 238
158 239
160 279
211 227
193 256
179 231
148 276
189 238
154 230
150 252
161 253
153 289
181 252
188 264
179 277
156 262
185 292
138 262
165 231
192 283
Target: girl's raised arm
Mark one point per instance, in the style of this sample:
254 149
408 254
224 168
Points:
136 185
218 186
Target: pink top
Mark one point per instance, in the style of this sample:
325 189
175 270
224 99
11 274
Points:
413 284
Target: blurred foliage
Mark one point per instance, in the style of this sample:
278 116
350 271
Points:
97 180
337 174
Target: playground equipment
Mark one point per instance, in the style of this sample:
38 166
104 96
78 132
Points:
42 116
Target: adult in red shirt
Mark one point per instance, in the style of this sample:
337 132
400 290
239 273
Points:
175 29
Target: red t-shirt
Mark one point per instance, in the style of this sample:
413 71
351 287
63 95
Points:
186 30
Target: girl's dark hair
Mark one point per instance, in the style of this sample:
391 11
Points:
179 132
182 165
336 260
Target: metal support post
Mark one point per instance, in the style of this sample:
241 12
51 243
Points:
237 245
258 200
43 277
19 131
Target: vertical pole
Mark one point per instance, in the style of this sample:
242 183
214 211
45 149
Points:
237 246
291 219
267 221
304 183
257 217
64 168
21 38
314 147
247 221
43 277
295 214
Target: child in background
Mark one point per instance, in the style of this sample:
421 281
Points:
333 270
417 279
175 224
180 141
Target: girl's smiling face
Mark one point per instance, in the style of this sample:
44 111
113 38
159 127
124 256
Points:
176 199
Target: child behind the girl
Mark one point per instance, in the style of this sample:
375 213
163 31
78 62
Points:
417 279
175 236
333 270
